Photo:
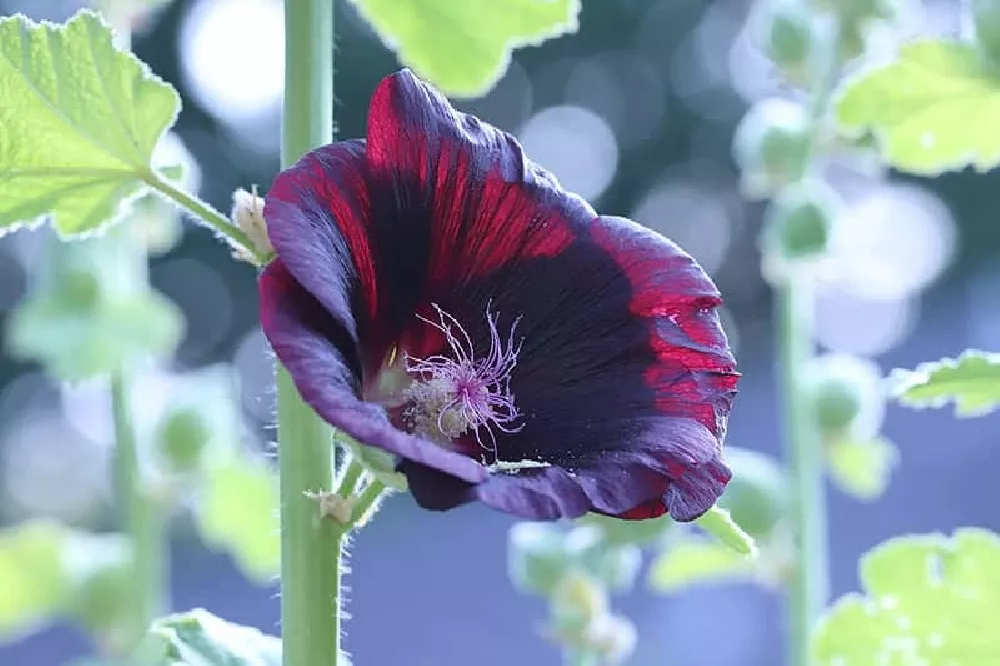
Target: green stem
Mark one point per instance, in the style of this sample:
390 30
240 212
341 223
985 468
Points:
366 500
207 214
808 590
810 577
349 479
143 518
310 546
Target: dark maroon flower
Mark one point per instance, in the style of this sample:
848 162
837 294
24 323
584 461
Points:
439 296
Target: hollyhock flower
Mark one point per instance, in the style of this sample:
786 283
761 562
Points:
437 295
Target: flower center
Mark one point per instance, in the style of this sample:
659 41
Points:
458 393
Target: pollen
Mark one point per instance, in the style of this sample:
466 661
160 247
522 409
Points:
460 392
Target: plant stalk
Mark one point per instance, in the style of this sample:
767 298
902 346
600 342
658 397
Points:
311 547
143 519
810 579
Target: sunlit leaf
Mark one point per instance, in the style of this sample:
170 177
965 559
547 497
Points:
198 638
926 600
32 586
932 108
972 381
80 118
238 513
464 47
862 467
698 561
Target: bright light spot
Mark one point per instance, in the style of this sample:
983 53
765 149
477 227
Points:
622 88
700 67
51 470
892 243
576 145
693 216
232 55
850 323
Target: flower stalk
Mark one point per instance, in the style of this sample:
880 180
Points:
311 547
809 581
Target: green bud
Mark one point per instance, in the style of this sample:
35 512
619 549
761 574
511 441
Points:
846 393
100 573
536 557
797 223
757 496
787 37
576 601
182 438
771 146
78 290
613 637
616 566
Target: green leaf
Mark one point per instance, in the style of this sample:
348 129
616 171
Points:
81 119
927 600
757 495
972 381
32 585
464 47
238 513
75 345
638 532
719 523
698 561
198 638
932 108
862 468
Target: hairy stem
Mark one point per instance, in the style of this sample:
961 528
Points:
310 546
207 214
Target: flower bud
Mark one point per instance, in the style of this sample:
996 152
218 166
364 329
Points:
786 35
846 393
616 566
536 557
771 146
613 637
182 437
99 569
797 223
757 496
248 216
859 11
576 601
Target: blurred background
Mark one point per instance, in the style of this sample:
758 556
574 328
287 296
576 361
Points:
636 112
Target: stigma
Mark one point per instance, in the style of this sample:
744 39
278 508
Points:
460 392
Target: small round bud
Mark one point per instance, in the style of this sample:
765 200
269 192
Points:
78 289
613 637
771 146
536 557
182 438
797 223
576 601
615 565
100 574
786 35
757 496
986 24
248 216
846 392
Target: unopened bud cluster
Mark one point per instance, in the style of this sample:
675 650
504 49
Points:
576 570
